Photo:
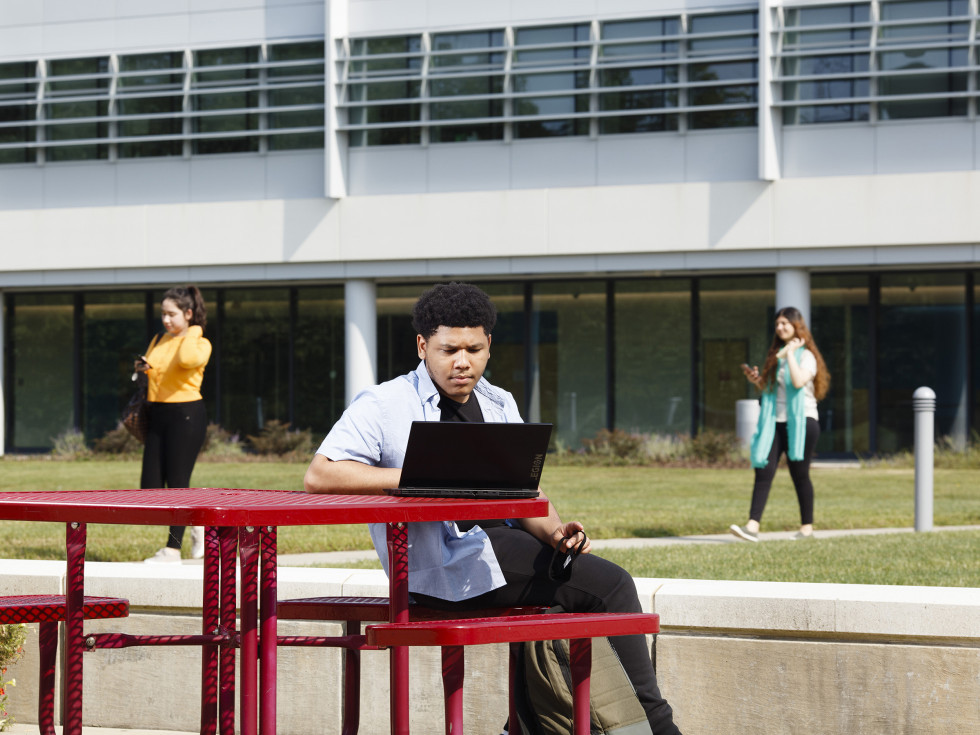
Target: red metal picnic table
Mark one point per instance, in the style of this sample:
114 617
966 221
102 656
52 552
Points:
240 523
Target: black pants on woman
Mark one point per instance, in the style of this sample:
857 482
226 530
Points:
798 471
173 441
595 585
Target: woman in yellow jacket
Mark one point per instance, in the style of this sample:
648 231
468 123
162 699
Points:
174 365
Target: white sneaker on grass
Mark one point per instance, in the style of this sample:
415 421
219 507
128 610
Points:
197 542
743 533
166 555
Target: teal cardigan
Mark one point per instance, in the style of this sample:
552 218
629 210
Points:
765 430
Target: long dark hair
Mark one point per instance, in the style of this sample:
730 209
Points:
821 381
189 297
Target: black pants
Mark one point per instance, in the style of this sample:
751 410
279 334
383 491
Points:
174 439
595 585
798 471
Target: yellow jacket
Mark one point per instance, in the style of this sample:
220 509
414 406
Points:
177 367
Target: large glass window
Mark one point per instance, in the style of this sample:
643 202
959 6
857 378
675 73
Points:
18 109
40 365
839 314
318 358
825 52
723 70
466 75
384 88
633 56
113 333
255 334
735 326
78 102
295 97
653 356
224 99
150 100
568 356
932 308
550 94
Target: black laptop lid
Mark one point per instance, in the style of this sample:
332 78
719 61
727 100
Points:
449 454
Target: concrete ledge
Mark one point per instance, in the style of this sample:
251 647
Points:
759 657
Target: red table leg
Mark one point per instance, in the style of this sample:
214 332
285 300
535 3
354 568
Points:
211 622
580 653
249 648
74 627
398 600
228 536
269 631
452 683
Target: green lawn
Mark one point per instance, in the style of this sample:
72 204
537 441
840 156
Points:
612 503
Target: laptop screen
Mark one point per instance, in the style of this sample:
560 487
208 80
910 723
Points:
444 454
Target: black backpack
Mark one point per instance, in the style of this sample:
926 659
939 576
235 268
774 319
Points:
543 697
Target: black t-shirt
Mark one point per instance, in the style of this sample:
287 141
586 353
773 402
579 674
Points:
470 411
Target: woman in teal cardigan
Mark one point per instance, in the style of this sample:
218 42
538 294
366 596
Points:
793 378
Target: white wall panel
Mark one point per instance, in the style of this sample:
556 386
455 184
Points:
924 145
227 178
227 26
152 181
80 185
468 167
286 20
553 162
722 155
387 170
143 8
19 12
18 42
831 150
21 187
91 38
162 32
640 159
296 175
67 11
372 16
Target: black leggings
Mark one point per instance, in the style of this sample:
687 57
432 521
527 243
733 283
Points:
595 585
175 437
799 471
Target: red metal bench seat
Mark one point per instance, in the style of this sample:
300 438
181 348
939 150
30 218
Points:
48 611
352 611
453 635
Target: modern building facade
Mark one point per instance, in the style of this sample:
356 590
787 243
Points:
639 185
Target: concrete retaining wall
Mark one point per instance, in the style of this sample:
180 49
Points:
755 657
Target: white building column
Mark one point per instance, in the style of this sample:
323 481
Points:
334 142
793 289
361 336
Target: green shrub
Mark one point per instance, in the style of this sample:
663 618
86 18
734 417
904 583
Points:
12 639
277 439
70 445
621 448
616 447
220 443
117 441
716 449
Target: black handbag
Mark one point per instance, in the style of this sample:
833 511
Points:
135 417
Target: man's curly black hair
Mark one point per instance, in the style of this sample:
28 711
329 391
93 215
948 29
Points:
453 305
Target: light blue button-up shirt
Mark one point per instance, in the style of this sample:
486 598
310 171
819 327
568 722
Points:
443 562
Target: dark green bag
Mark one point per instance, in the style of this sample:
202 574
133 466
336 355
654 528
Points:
544 699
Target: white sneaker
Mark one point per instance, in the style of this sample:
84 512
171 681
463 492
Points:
166 555
197 542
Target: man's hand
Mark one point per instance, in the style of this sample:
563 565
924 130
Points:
576 533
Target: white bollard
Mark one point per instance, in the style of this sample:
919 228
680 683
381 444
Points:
746 417
924 406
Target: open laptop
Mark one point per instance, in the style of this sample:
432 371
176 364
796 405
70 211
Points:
449 459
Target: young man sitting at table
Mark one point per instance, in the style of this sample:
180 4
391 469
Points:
451 565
